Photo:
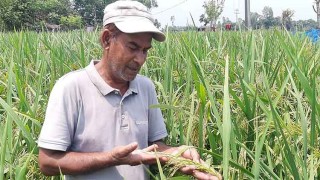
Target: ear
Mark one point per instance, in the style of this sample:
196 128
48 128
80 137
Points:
104 38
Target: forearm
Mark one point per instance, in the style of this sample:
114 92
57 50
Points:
53 162
73 162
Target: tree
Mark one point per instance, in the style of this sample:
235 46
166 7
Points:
310 23
255 19
50 11
34 14
31 14
226 20
91 11
303 25
157 23
316 8
13 13
277 21
203 19
287 18
267 17
213 9
149 3
71 22
172 19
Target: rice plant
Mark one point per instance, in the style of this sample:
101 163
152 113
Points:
249 101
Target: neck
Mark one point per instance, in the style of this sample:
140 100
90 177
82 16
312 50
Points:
103 72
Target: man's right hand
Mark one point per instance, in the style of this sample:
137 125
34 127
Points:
53 162
129 154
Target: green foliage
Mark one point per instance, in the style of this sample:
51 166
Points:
267 17
2 27
256 22
270 98
50 11
305 24
149 3
248 100
71 22
91 11
157 23
287 18
267 20
14 14
36 14
30 14
213 9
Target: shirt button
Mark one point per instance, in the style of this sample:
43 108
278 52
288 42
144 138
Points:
122 116
116 92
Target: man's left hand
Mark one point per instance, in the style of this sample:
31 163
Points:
188 153
192 154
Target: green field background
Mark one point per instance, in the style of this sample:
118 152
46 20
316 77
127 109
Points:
249 101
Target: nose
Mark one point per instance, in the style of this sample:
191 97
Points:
140 57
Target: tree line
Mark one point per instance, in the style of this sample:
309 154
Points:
54 14
74 14
266 20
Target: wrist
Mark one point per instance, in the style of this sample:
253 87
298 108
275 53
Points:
114 161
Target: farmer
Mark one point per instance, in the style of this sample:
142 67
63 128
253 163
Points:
99 124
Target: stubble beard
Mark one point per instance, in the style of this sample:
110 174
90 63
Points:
121 75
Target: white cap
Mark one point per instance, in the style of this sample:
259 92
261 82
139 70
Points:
131 17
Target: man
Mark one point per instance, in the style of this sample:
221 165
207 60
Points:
98 122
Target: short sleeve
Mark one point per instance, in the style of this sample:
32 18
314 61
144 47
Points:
61 116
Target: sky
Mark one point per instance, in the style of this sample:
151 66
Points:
181 10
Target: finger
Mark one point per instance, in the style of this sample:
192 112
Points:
202 162
195 155
147 157
163 159
204 176
150 148
188 169
191 153
125 150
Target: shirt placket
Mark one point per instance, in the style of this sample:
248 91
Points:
124 119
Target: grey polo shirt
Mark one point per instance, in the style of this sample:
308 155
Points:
85 114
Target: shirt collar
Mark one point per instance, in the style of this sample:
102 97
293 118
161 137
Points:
102 86
133 85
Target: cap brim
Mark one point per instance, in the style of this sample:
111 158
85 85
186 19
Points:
140 25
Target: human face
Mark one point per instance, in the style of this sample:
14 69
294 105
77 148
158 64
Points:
126 54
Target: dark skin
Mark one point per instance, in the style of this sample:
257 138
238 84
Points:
123 56
77 163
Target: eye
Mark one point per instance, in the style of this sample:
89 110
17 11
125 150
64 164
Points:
145 51
132 48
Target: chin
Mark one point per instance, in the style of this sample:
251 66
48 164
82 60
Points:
130 78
